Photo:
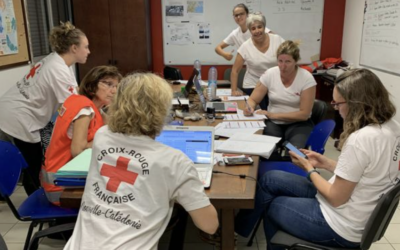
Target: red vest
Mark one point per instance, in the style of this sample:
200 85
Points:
59 151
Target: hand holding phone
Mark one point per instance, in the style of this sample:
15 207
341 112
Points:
290 147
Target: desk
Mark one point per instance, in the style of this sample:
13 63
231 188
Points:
226 193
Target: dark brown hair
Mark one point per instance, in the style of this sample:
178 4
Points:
368 101
90 82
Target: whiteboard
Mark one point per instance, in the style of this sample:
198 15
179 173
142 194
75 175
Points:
193 28
380 44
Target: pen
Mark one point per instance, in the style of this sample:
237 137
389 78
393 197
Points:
179 101
247 105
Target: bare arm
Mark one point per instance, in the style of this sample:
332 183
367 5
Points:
237 66
256 96
337 193
206 219
220 51
307 98
79 135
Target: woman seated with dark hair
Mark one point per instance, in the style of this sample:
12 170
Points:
79 118
334 213
134 181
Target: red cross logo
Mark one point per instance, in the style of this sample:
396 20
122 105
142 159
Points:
71 89
118 174
32 72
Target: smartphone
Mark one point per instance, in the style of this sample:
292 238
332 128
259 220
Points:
238 160
290 147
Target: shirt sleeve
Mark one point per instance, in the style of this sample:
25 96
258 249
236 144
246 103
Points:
352 162
229 39
309 80
266 78
189 190
64 84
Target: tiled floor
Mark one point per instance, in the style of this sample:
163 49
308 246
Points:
14 232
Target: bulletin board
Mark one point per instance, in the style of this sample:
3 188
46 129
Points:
380 42
193 28
13 35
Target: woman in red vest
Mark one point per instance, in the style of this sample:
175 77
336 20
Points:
79 118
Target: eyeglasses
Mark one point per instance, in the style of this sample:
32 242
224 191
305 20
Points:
336 105
109 85
239 15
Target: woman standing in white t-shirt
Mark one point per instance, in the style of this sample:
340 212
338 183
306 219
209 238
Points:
291 92
29 105
239 35
259 54
334 213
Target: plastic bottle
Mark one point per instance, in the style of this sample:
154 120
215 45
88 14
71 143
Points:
197 66
212 83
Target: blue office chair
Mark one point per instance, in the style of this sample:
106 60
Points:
36 208
316 141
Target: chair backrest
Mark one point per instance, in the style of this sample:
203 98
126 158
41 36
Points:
242 72
11 164
318 111
320 135
380 217
3 245
171 73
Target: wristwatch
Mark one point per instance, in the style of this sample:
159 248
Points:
310 172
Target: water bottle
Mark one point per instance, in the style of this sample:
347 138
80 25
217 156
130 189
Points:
197 66
212 83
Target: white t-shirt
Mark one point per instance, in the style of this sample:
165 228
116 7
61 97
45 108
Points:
282 99
237 37
258 62
371 158
28 105
131 188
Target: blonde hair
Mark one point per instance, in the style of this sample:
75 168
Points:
290 48
64 36
141 105
255 18
367 100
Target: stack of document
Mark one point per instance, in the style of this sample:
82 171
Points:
76 168
244 143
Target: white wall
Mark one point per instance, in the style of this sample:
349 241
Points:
9 77
351 47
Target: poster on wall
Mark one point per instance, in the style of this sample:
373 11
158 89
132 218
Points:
8 29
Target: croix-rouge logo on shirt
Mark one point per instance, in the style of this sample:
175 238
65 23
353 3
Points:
118 174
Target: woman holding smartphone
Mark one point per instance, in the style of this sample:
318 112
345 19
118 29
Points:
334 212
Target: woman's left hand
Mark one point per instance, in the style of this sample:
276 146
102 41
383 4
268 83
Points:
300 161
264 112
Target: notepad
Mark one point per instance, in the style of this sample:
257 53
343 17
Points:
78 167
243 143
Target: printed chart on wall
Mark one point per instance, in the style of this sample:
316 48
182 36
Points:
8 29
193 28
380 44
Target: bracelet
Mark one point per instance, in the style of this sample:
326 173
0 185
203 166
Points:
310 172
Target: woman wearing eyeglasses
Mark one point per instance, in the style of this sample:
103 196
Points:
334 213
259 54
239 35
79 118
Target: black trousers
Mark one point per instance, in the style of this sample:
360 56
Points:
32 153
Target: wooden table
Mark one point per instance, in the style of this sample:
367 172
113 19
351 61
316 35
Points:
226 193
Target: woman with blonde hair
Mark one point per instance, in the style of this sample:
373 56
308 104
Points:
79 118
29 105
291 93
134 181
334 213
